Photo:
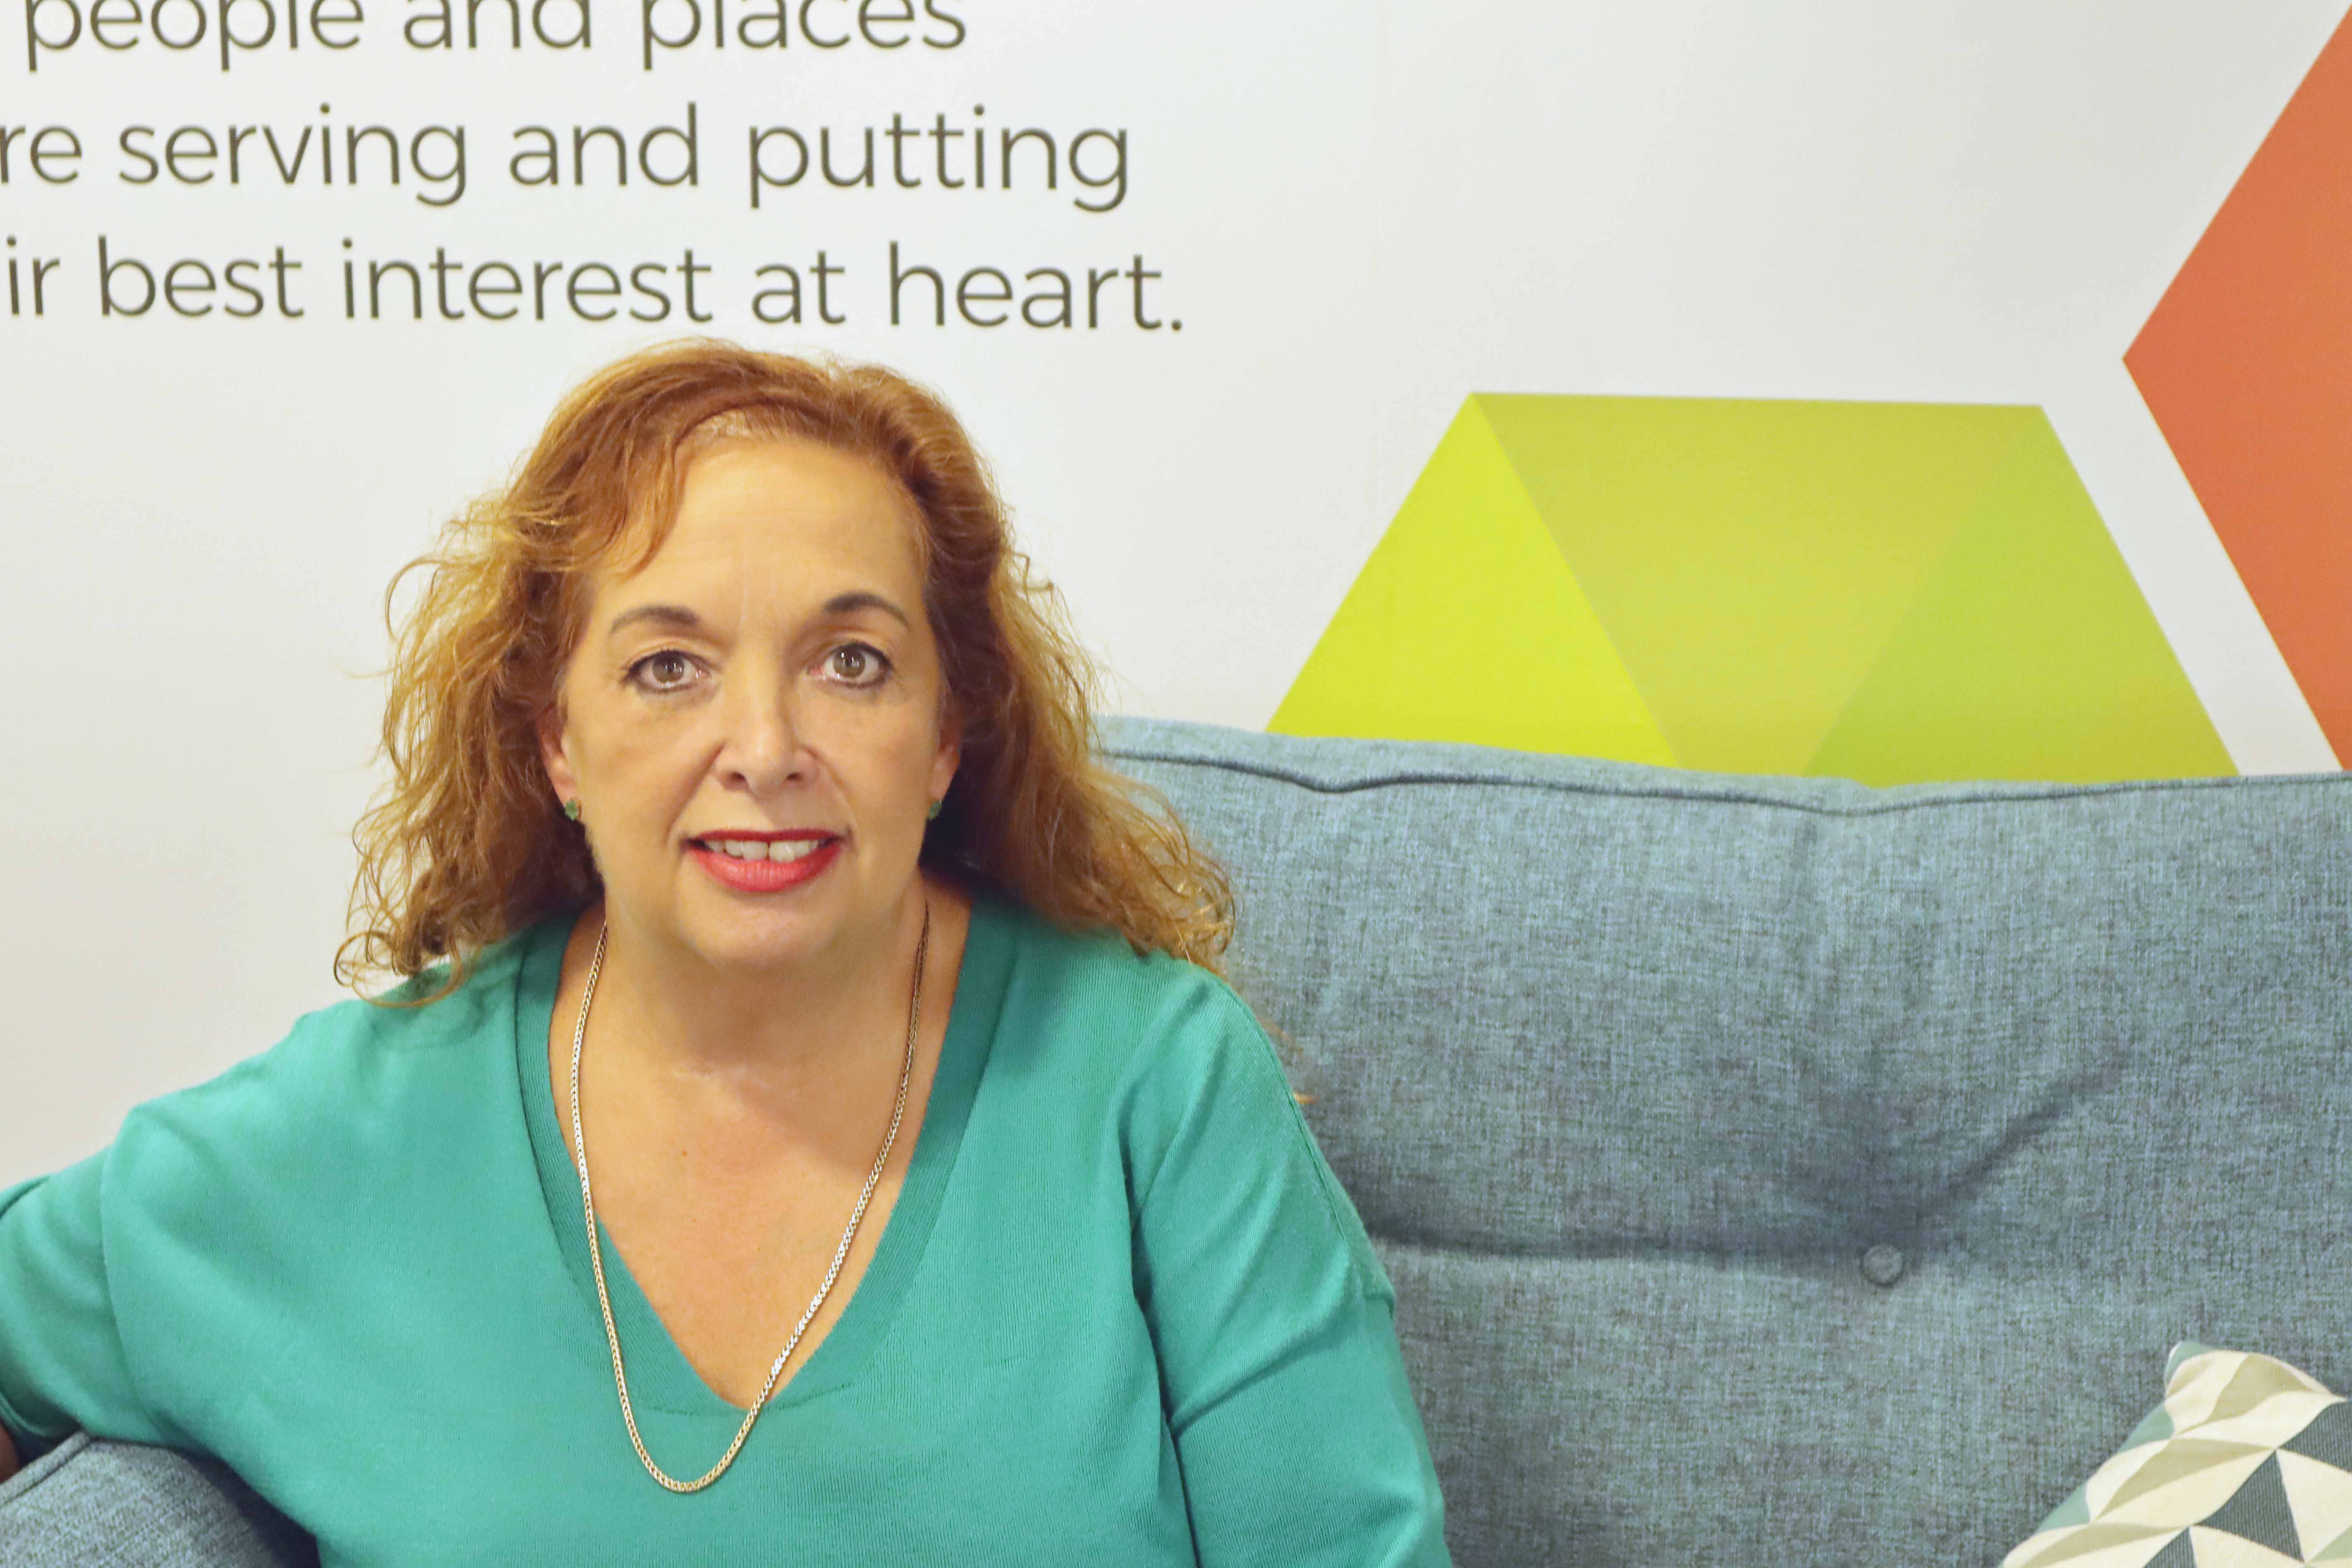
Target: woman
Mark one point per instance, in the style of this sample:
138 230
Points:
810 1127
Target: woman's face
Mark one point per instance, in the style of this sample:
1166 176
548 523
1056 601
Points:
754 722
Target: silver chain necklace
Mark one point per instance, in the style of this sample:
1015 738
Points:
849 1234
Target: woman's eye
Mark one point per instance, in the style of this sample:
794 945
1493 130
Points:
665 671
856 665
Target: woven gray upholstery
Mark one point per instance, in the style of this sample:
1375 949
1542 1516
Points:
1629 1070
114 1505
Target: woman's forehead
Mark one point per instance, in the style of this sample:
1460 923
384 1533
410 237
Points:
780 517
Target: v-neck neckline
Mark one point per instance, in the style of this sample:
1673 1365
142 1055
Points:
660 1377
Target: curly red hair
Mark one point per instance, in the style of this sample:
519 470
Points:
468 845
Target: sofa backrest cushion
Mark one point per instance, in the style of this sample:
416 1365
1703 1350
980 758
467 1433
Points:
1769 1168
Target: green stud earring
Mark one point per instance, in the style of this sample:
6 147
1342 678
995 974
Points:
937 807
572 810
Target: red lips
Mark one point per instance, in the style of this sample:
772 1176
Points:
767 876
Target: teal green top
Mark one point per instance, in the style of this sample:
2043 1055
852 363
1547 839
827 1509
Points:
1121 1312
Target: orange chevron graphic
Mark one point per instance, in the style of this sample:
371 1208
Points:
2247 367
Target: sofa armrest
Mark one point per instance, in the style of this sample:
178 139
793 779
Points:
121 1505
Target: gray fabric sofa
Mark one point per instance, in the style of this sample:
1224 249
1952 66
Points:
1770 1171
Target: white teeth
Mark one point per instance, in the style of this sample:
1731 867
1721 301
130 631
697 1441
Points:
758 849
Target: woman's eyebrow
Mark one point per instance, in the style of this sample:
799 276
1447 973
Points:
850 604
675 615
680 618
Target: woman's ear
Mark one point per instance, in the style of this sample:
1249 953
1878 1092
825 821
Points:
552 755
951 752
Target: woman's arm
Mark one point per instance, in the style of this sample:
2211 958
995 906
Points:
7 1456
62 1362
1292 1421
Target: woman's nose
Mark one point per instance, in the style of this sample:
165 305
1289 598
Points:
764 749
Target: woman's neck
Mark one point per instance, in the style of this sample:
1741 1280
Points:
805 1049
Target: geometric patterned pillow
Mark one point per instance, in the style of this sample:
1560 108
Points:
2246 1464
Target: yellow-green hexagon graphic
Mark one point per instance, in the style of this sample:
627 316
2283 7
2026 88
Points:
1887 592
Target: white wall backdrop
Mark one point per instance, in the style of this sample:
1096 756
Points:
1360 213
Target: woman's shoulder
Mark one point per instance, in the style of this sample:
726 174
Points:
347 1072
1139 1028
1096 981
1172 1061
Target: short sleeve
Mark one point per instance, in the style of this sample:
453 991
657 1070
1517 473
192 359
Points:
62 1364
1285 1388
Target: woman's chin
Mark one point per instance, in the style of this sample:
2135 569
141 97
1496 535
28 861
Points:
763 933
